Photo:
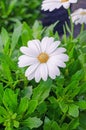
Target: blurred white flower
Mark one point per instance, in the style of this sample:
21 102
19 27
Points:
43 58
56 4
79 16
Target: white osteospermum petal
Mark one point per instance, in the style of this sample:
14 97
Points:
50 5
57 62
24 50
79 16
62 57
31 76
56 4
73 1
46 42
58 51
35 46
31 69
37 74
24 60
53 47
53 70
43 59
29 51
43 71
66 5
61 64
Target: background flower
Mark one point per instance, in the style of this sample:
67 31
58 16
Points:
56 4
79 16
43 58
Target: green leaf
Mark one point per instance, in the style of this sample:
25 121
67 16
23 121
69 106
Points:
42 91
32 106
32 122
7 71
63 105
55 126
10 99
5 40
15 37
1 119
1 92
78 75
23 105
50 125
42 108
82 104
64 126
72 89
49 30
82 37
1 45
37 26
16 124
8 60
8 128
26 33
73 124
3 111
82 88
24 128
73 110
11 6
27 92
82 120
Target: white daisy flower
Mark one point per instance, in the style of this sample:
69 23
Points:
56 4
43 59
79 16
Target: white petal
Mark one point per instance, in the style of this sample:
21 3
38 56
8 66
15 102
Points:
57 62
30 70
37 74
46 42
31 76
78 17
29 51
26 61
24 50
53 47
62 57
34 45
73 1
66 5
61 64
53 70
58 51
43 71
51 4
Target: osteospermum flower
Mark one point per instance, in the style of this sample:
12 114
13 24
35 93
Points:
56 4
43 58
79 16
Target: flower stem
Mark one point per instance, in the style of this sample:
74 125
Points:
82 28
63 118
71 23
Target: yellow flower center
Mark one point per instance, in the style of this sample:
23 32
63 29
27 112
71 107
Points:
83 13
64 0
43 57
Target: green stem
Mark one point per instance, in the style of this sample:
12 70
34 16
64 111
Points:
71 23
62 119
82 28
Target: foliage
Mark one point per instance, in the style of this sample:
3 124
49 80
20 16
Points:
12 11
58 104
